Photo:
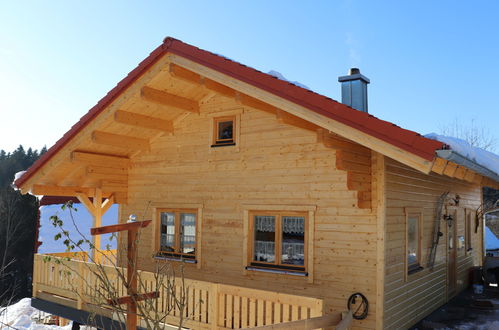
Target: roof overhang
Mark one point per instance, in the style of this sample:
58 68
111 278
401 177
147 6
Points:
225 76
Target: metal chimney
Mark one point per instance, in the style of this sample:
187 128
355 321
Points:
354 89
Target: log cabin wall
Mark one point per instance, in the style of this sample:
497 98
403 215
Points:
408 298
273 163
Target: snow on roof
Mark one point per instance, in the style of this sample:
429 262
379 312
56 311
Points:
480 156
280 76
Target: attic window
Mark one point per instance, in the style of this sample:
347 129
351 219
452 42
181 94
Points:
224 131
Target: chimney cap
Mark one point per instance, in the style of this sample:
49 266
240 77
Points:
354 74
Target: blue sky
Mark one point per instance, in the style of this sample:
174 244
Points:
430 62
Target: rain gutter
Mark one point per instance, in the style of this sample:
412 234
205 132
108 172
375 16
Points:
468 163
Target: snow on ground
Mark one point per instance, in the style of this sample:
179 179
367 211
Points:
22 316
279 76
483 157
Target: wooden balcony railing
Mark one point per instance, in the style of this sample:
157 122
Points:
104 257
208 305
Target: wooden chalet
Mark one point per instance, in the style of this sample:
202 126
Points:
280 203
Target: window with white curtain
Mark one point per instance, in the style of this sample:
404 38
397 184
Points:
177 233
278 240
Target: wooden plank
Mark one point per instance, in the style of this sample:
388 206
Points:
136 297
460 172
100 159
307 324
86 202
49 190
138 120
288 119
121 141
379 204
450 169
119 227
164 98
104 170
107 204
439 165
268 312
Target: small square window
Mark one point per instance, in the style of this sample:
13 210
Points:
224 131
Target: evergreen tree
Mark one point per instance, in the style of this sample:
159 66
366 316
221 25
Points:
18 225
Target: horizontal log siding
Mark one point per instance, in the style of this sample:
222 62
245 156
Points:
276 164
406 302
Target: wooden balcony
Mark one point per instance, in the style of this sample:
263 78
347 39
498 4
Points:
75 283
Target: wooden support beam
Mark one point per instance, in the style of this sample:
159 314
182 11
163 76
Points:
439 165
92 169
286 118
193 78
164 98
107 204
136 298
122 141
470 176
184 74
460 172
48 190
450 169
100 159
138 120
97 217
119 227
83 198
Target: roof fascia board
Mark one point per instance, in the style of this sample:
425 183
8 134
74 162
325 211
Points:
92 120
332 125
459 159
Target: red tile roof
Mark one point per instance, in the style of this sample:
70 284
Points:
407 140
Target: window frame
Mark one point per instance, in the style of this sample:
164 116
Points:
417 266
196 209
468 230
215 117
216 142
307 211
278 239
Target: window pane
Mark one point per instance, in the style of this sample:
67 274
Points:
412 240
167 231
187 233
225 130
264 248
293 241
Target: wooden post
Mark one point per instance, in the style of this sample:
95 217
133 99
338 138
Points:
97 217
214 306
79 288
131 320
131 300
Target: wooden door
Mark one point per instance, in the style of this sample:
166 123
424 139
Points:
451 254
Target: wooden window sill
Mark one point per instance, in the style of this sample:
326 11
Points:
180 259
223 145
277 271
